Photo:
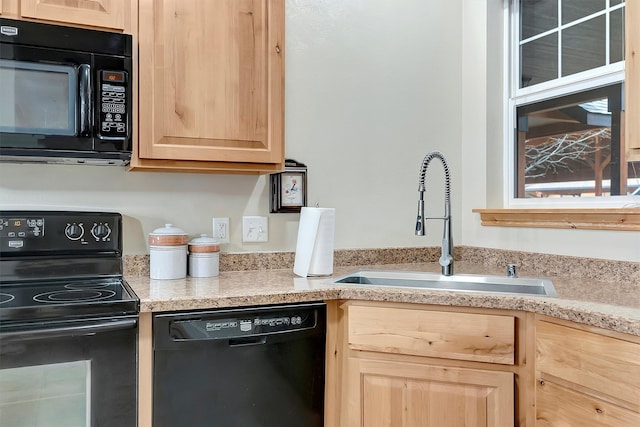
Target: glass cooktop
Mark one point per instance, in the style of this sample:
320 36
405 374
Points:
66 299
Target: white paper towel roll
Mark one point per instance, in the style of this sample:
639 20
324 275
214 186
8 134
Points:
314 249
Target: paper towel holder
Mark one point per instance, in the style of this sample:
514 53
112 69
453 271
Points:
289 188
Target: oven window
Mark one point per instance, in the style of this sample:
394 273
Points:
54 395
37 98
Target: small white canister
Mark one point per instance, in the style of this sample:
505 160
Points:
168 253
204 257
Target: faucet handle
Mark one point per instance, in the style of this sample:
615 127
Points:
445 258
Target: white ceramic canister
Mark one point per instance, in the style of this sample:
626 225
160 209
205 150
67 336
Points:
168 253
204 257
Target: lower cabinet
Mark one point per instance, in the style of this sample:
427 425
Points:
411 365
586 376
404 394
415 365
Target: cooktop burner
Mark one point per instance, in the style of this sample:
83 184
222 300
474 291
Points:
6 298
72 295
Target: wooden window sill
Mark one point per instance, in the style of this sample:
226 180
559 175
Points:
623 219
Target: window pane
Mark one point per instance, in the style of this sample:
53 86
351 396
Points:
570 147
576 9
46 395
539 60
537 16
583 46
616 44
615 2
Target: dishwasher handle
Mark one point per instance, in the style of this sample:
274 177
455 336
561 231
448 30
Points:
247 341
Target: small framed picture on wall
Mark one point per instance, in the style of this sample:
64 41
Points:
289 188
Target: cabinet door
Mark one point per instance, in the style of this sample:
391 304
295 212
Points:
607 366
560 406
211 81
632 81
98 13
400 394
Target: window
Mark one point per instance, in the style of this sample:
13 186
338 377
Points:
566 101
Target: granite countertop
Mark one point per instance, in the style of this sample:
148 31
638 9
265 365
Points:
610 305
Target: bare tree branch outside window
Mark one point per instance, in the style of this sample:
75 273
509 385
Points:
560 153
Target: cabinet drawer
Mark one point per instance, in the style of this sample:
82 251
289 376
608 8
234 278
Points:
600 363
560 406
419 332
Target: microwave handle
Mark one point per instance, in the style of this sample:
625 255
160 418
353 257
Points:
85 98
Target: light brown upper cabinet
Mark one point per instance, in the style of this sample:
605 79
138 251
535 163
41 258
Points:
632 81
112 15
211 85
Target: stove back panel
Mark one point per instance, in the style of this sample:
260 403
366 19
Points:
59 234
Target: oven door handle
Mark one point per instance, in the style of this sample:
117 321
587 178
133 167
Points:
66 331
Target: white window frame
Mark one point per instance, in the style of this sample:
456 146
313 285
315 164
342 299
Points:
608 74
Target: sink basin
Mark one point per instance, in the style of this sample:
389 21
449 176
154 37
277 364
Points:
457 282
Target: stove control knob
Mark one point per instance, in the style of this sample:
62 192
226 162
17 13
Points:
74 231
101 231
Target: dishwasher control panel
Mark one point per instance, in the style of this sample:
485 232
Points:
249 323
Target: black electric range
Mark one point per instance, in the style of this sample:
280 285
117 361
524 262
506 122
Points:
65 307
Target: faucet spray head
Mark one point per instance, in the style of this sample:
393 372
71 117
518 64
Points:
420 222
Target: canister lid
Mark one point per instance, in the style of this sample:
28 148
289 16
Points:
204 244
168 236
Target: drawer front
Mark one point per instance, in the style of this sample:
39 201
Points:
560 406
603 364
419 332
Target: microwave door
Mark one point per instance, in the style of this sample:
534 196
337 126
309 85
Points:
38 98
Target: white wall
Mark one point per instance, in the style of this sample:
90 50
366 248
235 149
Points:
371 87
482 148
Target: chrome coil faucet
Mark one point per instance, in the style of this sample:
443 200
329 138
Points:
446 259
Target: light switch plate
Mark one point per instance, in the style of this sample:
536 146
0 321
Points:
255 229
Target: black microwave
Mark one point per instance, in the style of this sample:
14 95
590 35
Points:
65 94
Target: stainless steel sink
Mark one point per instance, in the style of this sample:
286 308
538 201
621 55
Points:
457 282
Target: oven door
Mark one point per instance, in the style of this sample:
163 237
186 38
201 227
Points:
72 374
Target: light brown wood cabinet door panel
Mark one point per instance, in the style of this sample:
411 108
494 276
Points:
399 394
603 364
109 14
212 80
632 81
559 406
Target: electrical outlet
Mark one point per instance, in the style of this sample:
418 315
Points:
255 229
221 229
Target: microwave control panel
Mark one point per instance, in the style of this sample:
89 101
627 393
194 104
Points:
113 104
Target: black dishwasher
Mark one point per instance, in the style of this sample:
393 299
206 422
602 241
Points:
259 366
